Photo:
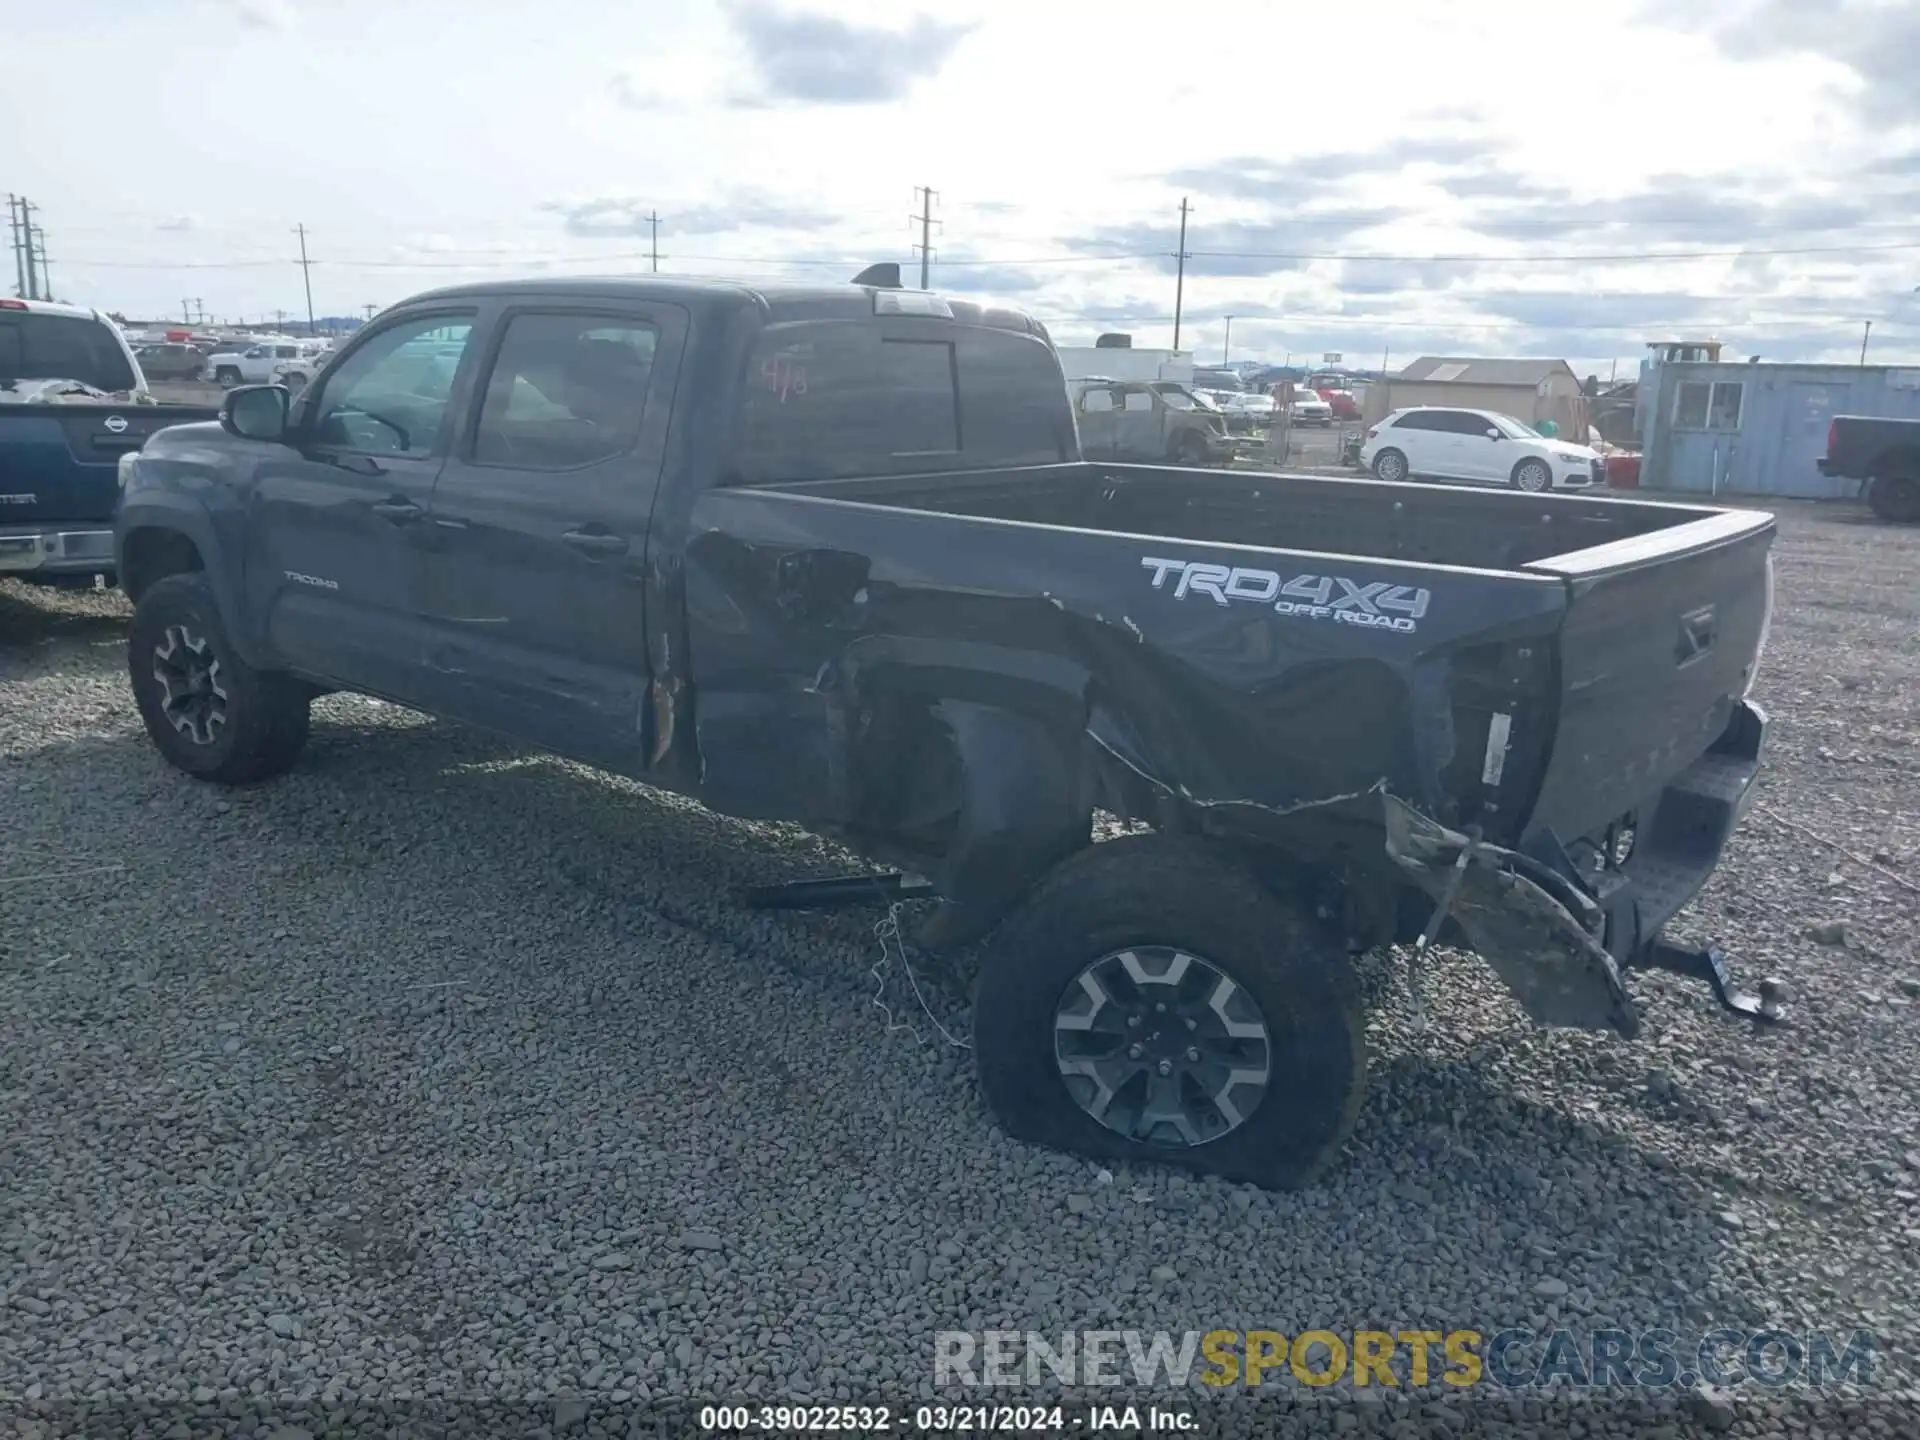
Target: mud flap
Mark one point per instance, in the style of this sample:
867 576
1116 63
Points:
1541 950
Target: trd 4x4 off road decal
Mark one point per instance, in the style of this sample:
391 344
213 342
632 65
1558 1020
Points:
1375 605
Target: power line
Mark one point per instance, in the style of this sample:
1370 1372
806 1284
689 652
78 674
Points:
1084 258
1619 258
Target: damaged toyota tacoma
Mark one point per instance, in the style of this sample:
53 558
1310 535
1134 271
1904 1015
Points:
831 555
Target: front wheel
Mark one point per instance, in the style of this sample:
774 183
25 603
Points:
1390 465
1153 1001
1533 476
207 711
227 375
1895 498
1189 449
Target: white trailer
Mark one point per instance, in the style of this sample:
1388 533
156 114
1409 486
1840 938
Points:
1087 362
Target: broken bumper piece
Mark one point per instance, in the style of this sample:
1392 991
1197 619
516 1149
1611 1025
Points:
1542 944
1541 936
1561 946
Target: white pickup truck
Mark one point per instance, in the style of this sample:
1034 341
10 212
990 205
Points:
254 365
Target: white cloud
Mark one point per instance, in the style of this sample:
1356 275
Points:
265 14
449 138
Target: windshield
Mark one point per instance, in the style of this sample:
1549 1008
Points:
1514 429
61 347
1216 380
1176 397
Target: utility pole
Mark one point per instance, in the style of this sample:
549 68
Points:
306 275
19 248
186 312
1226 345
200 310
26 231
46 270
927 222
1865 336
1180 273
653 220
369 307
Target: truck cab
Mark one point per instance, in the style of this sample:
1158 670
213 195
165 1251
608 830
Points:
1149 421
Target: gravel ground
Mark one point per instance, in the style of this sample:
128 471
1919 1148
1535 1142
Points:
444 1074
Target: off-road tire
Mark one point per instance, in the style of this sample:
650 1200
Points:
1388 460
1153 890
266 714
1895 498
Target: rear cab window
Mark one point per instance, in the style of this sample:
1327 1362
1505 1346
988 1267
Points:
837 399
61 347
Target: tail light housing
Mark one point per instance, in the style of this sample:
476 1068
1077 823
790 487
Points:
1373 431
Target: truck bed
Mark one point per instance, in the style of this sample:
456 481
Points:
1424 524
1619 634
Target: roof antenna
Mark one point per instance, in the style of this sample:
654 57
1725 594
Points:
883 276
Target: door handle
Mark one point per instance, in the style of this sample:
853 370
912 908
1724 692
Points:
596 542
400 512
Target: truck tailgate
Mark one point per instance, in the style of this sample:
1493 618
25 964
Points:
60 463
1662 635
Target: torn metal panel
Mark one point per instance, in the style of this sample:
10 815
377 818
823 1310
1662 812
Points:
1546 954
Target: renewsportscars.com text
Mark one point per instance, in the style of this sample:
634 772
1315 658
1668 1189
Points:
1416 1358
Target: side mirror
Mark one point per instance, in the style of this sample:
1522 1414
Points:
1492 434
255 412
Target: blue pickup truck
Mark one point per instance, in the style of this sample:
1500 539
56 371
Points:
72 402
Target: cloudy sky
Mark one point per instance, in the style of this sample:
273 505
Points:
1370 177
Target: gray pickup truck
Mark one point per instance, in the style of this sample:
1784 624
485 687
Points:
832 555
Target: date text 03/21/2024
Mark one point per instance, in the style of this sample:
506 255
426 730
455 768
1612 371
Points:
941 1419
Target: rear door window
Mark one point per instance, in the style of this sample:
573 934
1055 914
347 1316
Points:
566 391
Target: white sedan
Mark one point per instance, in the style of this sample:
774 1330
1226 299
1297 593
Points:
1309 408
1484 447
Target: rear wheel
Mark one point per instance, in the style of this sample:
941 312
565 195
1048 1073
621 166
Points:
1390 465
207 711
1153 1001
1532 476
1895 498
